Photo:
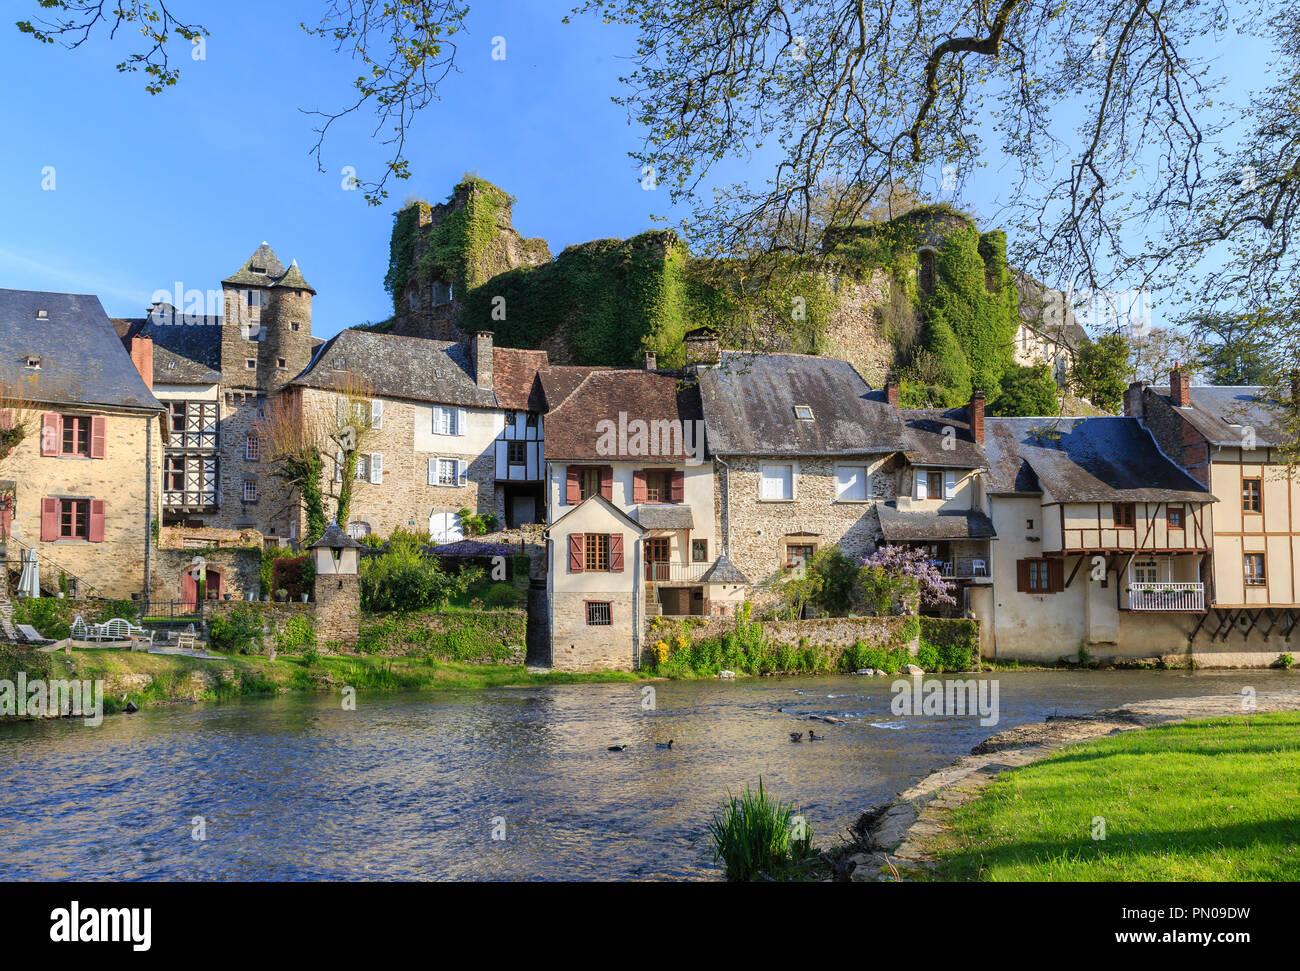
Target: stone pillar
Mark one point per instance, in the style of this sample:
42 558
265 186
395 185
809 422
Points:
337 608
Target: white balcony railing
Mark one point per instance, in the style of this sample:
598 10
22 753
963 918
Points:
1167 596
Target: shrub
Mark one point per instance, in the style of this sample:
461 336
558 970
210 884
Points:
269 555
501 595
293 574
1286 660
754 833
45 615
928 657
236 632
477 524
403 579
298 635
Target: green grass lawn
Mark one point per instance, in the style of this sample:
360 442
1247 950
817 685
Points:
1217 799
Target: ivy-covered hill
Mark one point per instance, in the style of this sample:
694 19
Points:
925 295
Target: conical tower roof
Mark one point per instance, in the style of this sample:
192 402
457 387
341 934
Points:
263 259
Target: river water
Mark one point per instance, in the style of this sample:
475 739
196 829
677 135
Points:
416 786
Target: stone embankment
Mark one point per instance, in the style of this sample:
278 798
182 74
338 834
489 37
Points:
893 840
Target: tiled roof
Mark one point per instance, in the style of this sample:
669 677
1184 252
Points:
560 381
187 349
749 407
1224 414
665 517
929 442
412 368
275 274
1083 460
514 378
82 360
897 525
574 430
723 571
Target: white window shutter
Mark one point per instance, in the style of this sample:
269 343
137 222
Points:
376 413
376 468
462 471
433 471
338 466
920 492
460 421
949 484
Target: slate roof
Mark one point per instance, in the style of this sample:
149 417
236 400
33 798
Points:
1089 460
335 538
749 402
723 571
413 368
186 349
82 359
926 439
1222 413
574 430
275 276
514 377
936 524
665 517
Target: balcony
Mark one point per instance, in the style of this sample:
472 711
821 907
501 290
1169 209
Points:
1167 596
661 572
964 567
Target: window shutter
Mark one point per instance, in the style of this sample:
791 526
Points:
577 551
376 468
676 486
615 552
638 486
462 472
376 413
572 491
1022 576
607 483
49 520
460 421
98 436
921 487
338 466
51 434
1055 576
949 484
433 471
96 534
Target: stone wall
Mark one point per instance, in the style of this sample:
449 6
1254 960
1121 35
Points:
337 610
274 616
579 647
206 537
240 570
883 632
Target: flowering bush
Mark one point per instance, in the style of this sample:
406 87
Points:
893 578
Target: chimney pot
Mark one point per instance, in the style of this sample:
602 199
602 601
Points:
975 414
651 361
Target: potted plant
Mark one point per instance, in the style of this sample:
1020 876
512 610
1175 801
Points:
225 596
304 598
282 595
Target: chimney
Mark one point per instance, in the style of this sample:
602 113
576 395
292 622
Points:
1180 386
975 415
891 390
650 360
702 346
1133 400
142 358
481 354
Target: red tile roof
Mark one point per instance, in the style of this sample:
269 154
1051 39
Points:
514 378
574 431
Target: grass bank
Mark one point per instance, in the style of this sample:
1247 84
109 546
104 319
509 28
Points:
1200 800
152 679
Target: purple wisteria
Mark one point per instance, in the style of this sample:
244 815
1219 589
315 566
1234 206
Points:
914 563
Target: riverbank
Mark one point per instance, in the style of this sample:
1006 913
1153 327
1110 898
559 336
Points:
964 822
156 679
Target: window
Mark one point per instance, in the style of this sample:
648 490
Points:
76 435
516 453
447 421
42 315
1175 516
1039 580
596 552
1144 572
254 298
531 420
1124 515
1252 495
250 490
252 448
293 326
803 412
74 519
362 472
511 416
260 270
588 483
934 485
445 472
1255 569
657 485
1040 576
250 363
796 554
178 409
175 473
357 529
279 362
1029 524
776 482
598 613
850 483
699 551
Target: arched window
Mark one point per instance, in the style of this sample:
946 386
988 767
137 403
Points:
925 272
358 529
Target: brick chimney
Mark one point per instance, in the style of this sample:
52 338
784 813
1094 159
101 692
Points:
1180 386
891 390
481 354
1133 400
975 415
650 360
142 358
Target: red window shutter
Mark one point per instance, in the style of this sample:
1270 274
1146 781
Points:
676 486
572 492
1055 576
98 436
577 551
638 486
1022 576
49 520
51 434
615 552
607 483
6 519
96 521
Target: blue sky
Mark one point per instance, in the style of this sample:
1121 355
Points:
151 191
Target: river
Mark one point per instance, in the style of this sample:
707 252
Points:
416 786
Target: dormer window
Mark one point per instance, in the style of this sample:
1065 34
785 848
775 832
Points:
803 412
33 362
261 270
171 365
42 315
